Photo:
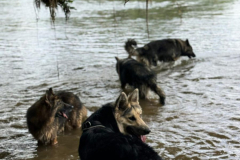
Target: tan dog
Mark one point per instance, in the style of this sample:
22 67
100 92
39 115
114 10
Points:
128 115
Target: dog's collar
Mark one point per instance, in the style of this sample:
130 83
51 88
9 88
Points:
90 125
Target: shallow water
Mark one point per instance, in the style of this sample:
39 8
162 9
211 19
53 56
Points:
201 117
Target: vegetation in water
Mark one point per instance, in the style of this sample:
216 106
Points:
54 4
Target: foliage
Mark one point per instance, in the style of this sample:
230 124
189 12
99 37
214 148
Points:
53 5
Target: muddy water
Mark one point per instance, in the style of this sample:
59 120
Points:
201 117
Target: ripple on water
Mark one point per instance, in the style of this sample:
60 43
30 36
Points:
200 119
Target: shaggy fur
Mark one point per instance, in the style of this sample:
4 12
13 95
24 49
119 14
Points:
47 117
103 139
79 112
44 118
139 76
165 50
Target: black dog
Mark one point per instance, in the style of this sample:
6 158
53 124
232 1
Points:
115 132
165 50
139 76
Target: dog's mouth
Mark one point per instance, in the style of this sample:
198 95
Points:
141 136
62 114
190 56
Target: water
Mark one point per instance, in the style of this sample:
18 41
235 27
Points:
201 117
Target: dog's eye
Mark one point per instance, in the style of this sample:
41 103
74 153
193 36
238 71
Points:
132 118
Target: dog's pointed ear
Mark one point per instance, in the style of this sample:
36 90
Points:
49 96
122 102
117 59
146 47
134 96
187 42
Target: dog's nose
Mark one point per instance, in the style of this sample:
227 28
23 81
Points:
147 131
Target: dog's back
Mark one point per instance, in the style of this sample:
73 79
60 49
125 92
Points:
105 142
139 76
134 73
166 49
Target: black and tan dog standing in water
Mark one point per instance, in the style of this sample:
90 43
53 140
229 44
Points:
116 132
165 50
138 75
52 114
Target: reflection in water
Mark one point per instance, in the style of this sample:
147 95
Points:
201 117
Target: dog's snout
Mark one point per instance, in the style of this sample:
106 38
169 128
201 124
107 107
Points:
147 131
193 54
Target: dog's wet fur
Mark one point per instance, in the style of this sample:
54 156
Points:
138 75
79 112
165 50
52 114
116 131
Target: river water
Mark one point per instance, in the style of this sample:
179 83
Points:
201 118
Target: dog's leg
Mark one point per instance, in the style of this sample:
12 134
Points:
123 84
153 86
40 143
143 91
54 141
161 94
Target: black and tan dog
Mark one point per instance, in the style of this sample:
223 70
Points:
52 114
139 76
165 50
116 132
79 112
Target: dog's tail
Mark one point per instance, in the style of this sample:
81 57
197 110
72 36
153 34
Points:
153 86
129 47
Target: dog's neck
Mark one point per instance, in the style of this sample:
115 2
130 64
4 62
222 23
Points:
180 44
105 117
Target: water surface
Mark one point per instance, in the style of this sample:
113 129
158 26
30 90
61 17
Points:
201 117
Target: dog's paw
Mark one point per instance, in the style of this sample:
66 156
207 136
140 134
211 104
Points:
162 100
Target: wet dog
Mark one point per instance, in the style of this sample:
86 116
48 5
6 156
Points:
165 50
139 76
52 114
116 131
79 112
46 118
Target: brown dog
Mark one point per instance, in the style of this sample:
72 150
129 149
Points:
52 114
79 112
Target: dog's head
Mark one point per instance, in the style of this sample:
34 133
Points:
187 49
128 114
55 104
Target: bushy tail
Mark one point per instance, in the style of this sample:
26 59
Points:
158 91
129 47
